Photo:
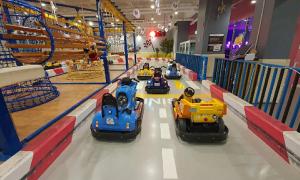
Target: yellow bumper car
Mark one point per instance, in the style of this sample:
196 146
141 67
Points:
199 121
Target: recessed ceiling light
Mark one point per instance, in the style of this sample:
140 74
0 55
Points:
152 19
176 12
43 4
253 1
152 6
91 23
117 20
139 27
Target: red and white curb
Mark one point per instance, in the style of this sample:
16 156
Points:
56 71
38 154
282 139
189 73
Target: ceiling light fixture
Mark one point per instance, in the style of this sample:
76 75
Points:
152 6
138 37
176 12
152 19
91 23
152 34
43 4
253 1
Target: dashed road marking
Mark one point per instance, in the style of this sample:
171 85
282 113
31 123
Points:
165 131
162 113
169 165
192 84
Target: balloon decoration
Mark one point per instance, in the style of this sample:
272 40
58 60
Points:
147 43
136 13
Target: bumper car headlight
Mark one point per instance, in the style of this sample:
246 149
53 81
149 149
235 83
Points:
110 121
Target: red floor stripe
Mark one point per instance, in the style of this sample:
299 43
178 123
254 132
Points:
279 149
267 123
42 167
193 76
268 129
217 92
48 140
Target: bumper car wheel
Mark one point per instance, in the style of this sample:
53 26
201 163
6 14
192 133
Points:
182 124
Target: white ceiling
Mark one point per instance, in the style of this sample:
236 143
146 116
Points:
186 9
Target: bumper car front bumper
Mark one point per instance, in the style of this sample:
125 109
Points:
152 90
173 77
144 77
116 135
202 137
121 135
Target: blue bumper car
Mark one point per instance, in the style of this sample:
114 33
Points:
157 84
172 71
120 117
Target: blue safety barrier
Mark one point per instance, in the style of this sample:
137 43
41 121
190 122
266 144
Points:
195 63
271 88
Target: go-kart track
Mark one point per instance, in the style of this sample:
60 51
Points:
157 153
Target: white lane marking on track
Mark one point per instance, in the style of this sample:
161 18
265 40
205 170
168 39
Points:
192 84
162 113
169 165
165 131
140 85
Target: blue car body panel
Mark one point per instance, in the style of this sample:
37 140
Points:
114 118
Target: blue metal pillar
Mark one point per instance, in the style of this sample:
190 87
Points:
134 47
125 45
9 140
102 37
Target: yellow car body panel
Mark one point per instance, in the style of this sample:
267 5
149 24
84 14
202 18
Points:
203 112
145 72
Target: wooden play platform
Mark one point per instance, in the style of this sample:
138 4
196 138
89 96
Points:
28 121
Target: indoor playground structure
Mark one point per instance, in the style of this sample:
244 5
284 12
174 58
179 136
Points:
76 101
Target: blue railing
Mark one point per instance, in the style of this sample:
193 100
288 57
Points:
271 88
195 63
